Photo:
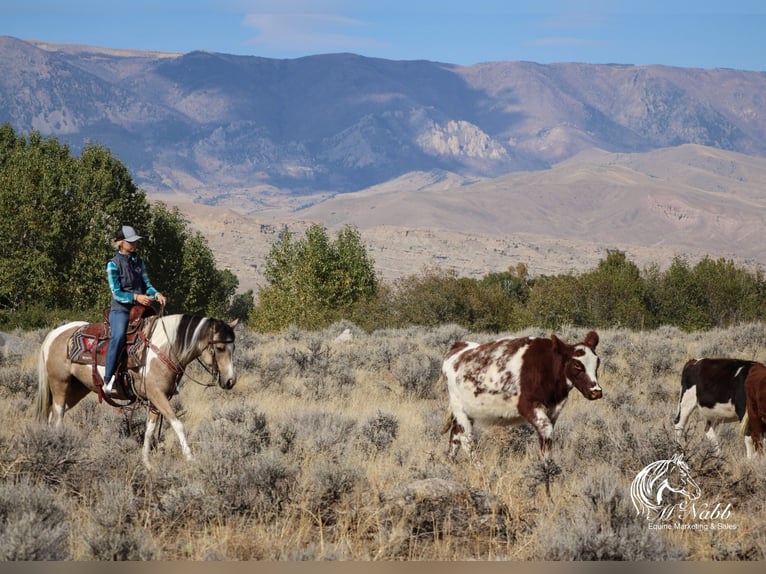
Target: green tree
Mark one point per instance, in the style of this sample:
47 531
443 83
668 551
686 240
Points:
59 214
434 297
313 280
728 294
555 301
438 296
163 253
676 297
615 294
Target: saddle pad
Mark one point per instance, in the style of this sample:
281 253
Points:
91 341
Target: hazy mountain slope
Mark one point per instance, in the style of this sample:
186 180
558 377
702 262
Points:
232 130
689 201
678 197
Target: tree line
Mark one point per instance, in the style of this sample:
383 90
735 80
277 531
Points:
616 293
60 211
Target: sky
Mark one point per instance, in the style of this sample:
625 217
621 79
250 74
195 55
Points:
685 33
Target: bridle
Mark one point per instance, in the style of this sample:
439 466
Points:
213 369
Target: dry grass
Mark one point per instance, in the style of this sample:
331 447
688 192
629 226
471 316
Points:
330 450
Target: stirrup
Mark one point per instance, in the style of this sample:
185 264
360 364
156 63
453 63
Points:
108 388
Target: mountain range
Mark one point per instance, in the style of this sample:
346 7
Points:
566 159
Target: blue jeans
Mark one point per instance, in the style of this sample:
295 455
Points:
118 320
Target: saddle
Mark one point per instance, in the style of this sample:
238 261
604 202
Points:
88 345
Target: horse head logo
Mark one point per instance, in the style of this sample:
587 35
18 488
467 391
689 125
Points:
656 490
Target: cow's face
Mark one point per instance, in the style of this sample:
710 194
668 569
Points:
582 368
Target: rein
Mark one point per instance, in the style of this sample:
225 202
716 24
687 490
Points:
162 356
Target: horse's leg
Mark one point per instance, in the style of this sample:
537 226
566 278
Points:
65 394
162 405
151 426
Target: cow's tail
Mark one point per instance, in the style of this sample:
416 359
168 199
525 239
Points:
447 422
684 388
744 425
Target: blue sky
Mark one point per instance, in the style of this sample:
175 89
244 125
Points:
698 33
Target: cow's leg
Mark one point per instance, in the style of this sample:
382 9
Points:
686 405
749 447
756 429
461 434
544 427
710 433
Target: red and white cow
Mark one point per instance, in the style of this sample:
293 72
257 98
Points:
508 381
755 389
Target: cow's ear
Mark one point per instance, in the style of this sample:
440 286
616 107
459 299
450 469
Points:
591 340
558 345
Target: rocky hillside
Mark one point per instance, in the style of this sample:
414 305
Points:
247 131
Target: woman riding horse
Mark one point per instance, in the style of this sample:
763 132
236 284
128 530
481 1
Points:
130 285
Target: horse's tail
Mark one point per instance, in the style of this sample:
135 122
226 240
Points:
44 396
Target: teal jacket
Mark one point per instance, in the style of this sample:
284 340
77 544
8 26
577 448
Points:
127 276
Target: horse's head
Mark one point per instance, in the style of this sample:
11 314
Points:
218 354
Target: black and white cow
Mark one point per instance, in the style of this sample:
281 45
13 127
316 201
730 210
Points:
509 381
717 388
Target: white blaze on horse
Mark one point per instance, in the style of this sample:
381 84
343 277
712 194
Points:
171 343
509 381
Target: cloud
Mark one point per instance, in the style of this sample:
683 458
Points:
298 33
562 41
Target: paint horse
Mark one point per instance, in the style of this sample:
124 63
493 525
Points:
172 342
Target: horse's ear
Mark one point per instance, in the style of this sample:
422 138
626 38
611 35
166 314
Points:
234 323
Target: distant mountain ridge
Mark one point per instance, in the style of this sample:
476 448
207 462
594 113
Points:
233 130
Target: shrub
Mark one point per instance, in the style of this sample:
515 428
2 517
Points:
379 432
417 372
115 531
241 426
602 525
34 525
325 434
271 482
56 457
324 487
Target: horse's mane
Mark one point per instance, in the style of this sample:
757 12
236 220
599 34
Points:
185 332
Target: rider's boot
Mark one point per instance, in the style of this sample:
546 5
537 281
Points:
109 387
